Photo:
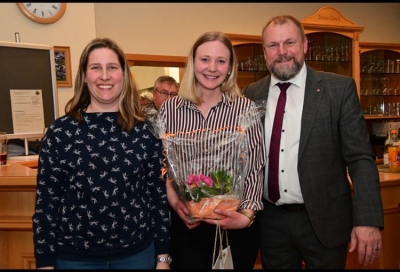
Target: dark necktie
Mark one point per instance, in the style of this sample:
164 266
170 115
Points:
273 167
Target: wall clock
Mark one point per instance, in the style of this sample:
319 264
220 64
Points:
43 13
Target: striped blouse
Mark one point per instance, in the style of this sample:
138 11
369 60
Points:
181 116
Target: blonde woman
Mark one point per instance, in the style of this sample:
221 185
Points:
209 98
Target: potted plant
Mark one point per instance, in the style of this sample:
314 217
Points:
206 193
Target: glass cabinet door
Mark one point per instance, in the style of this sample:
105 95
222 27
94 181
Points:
251 63
334 43
329 52
380 82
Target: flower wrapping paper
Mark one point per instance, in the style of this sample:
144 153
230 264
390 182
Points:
208 167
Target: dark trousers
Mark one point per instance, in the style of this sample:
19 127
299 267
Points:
193 249
288 239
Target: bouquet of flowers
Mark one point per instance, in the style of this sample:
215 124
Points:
206 193
208 167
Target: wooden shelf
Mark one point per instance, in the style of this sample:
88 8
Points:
379 117
156 60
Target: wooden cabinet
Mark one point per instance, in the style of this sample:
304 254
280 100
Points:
330 52
379 88
17 202
333 43
250 56
251 63
380 80
390 254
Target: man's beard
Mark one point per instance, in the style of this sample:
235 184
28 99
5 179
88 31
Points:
284 73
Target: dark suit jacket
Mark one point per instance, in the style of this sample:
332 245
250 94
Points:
333 135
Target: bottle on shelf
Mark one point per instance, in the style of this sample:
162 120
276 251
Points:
398 66
388 142
394 152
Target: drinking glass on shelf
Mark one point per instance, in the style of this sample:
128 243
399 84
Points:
372 64
346 53
385 86
395 88
326 53
337 53
249 64
367 88
3 148
380 66
309 51
375 90
317 53
388 66
363 61
398 66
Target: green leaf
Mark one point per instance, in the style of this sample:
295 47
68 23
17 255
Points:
222 185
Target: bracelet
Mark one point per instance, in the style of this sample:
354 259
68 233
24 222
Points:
167 259
249 216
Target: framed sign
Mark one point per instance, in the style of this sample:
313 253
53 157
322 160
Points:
63 66
25 67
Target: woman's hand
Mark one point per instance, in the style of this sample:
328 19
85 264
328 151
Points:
162 265
179 207
231 220
183 213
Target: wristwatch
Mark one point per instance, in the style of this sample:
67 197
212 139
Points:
250 216
167 259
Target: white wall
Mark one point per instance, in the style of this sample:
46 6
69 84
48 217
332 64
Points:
171 28
146 76
75 29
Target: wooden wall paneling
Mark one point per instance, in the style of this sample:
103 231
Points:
20 249
3 250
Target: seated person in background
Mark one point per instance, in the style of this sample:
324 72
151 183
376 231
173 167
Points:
164 88
146 98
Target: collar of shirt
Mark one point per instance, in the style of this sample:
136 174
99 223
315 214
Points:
289 179
190 104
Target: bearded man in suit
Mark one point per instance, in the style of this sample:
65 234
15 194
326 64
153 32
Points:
324 148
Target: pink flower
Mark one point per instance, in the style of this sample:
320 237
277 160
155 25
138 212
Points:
207 180
197 180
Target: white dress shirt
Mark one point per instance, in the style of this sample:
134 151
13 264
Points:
289 185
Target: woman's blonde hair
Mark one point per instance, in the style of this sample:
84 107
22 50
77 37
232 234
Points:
129 106
189 87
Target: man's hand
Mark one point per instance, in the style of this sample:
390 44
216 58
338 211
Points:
369 241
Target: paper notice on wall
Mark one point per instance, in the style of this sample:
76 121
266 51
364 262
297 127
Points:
27 111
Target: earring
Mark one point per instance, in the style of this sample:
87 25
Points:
229 72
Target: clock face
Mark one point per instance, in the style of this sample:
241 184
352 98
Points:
43 13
